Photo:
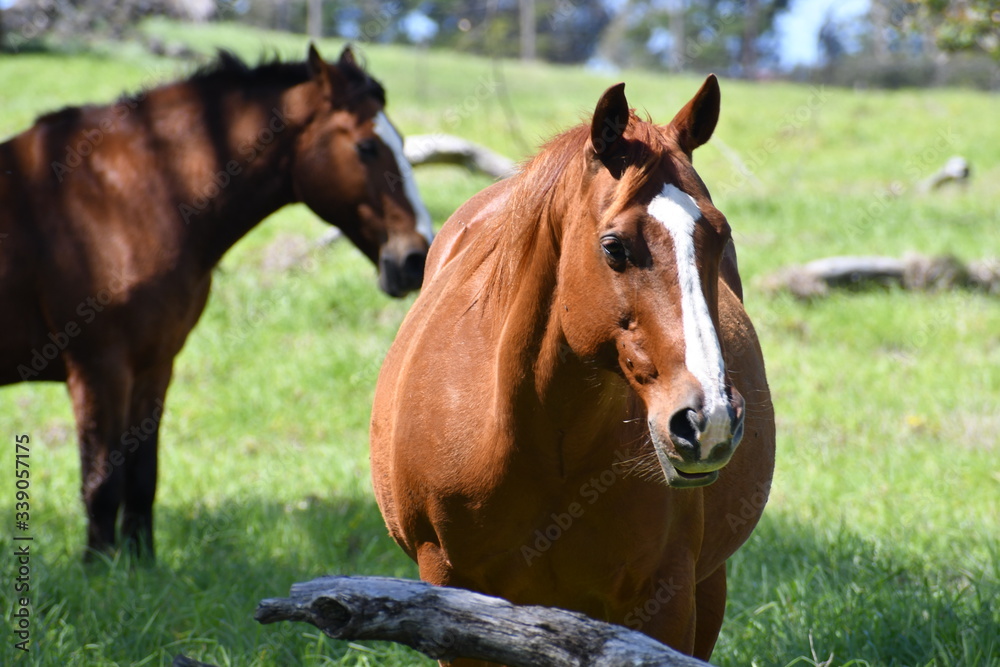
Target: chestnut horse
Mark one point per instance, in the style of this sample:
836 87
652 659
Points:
112 219
557 421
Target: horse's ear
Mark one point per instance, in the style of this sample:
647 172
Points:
350 67
347 57
611 116
694 124
319 71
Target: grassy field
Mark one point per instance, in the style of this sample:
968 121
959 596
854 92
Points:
880 543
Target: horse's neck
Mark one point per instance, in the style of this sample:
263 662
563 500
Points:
535 363
237 172
524 291
557 409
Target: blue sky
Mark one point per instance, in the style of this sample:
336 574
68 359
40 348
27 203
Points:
799 27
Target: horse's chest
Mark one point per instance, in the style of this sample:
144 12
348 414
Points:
599 536
176 307
157 315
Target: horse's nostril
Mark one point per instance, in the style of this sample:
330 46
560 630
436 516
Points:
413 267
685 426
399 277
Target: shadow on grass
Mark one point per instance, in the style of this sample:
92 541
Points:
214 564
798 594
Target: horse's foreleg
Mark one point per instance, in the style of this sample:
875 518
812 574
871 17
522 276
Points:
139 446
710 599
667 614
99 389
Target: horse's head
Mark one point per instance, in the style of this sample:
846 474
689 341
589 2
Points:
640 287
350 169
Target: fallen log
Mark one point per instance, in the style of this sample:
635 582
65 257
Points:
448 149
912 272
955 170
448 623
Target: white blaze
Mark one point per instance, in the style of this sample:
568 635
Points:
387 132
678 212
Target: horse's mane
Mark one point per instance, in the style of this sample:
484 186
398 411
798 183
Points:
64 115
533 209
228 69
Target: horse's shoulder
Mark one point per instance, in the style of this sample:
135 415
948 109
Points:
463 225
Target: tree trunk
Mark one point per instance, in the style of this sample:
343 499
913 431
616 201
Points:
282 15
679 56
751 30
879 15
314 19
613 45
527 12
447 149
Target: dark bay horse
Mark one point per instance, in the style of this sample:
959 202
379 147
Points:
112 219
557 421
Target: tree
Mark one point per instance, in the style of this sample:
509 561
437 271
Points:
65 20
959 25
724 35
831 41
565 31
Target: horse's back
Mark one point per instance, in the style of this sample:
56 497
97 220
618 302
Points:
90 231
69 186
22 269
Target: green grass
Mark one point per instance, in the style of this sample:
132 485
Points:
880 542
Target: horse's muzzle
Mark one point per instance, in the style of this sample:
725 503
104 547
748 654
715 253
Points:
398 276
696 446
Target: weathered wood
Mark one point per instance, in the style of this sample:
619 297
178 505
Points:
955 170
448 623
985 274
448 149
913 272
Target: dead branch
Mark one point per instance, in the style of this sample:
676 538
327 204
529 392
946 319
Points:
448 623
913 272
955 170
448 149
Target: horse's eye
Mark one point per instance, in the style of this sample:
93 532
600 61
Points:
615 252
368 149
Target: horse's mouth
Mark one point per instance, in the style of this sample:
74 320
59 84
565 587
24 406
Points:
679 479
